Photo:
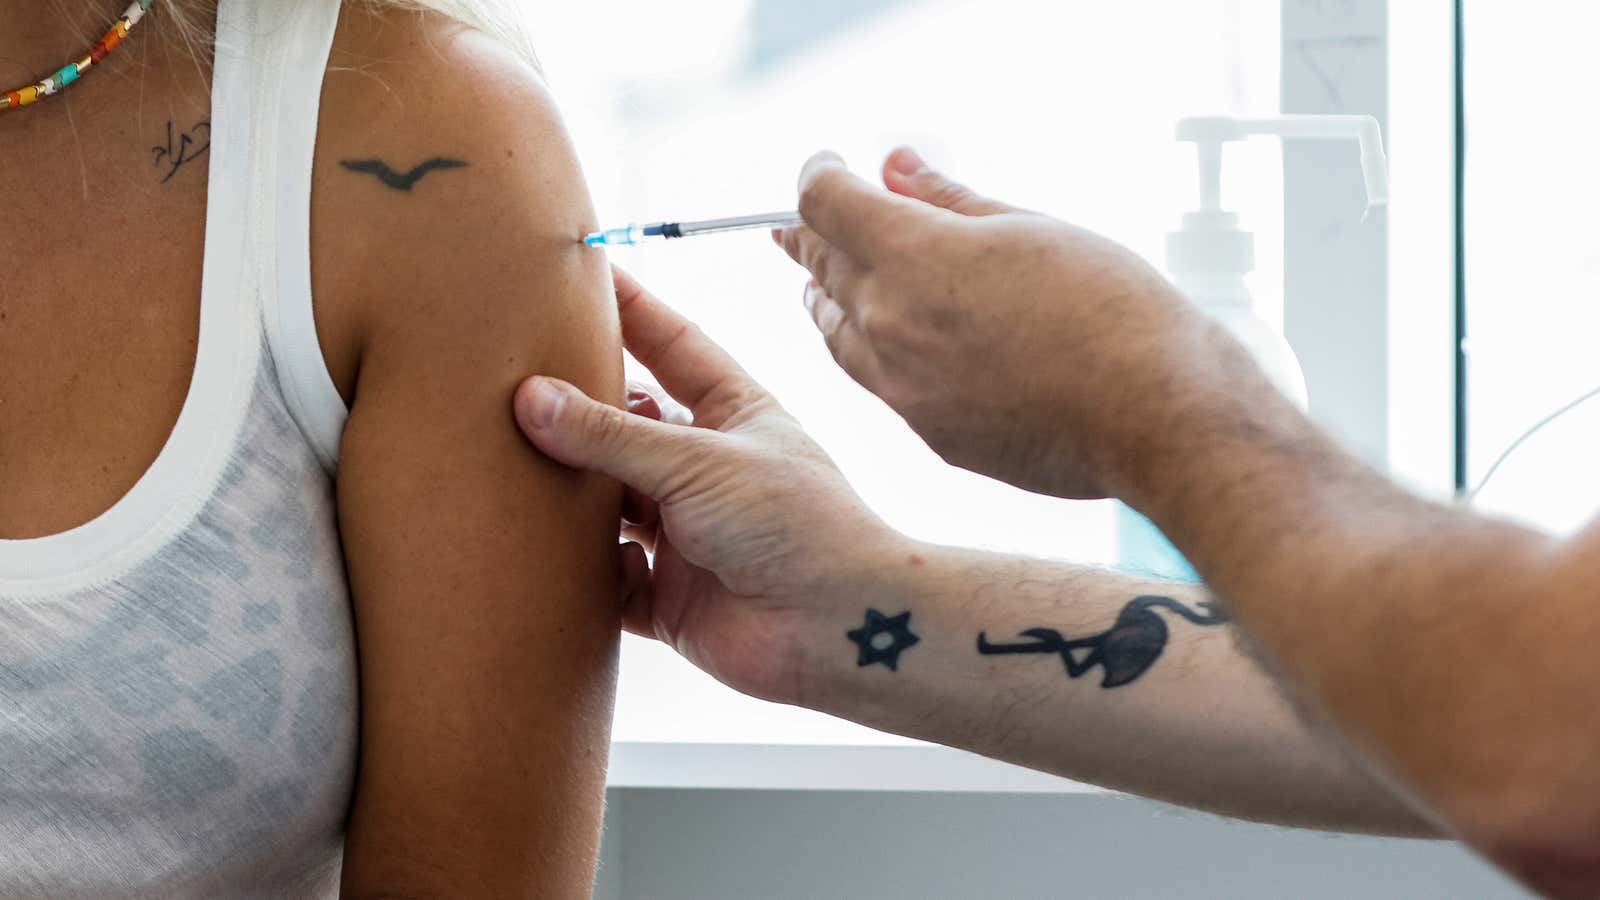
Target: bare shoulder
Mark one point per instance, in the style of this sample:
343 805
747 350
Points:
443 172
447 262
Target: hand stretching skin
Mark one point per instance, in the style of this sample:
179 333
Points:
748 504
1016 345
773 576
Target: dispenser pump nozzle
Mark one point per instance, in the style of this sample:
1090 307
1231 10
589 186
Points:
1211 252
1210 132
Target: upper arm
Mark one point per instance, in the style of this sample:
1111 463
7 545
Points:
483 575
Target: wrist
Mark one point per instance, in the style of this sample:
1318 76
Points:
1226 469
1213 414
903 578
880 572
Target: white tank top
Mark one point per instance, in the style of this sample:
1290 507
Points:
177 677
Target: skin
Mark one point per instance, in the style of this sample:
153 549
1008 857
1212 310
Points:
485 590
91 388
1451 652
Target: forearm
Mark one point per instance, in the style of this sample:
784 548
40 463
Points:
1184 717
1454 649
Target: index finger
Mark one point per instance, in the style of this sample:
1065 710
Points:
848 212
687 364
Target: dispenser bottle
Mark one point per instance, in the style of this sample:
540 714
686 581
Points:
1208 259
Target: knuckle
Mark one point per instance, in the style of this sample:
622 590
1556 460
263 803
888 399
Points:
653 356
793 240
814 256
748 395
879 326
952 193
707 461
840 282
734 400
814 194
607 428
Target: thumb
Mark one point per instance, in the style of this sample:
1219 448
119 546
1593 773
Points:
846 211
905 173
572 428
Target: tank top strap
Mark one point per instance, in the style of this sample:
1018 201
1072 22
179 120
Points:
291 40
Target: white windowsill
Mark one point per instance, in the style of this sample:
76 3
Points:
824 767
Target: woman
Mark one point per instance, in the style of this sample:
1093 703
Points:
213 490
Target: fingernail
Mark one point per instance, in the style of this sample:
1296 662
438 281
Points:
638 400
820 160
809 298
907 161
542 403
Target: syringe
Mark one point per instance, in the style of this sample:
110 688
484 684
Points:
637 234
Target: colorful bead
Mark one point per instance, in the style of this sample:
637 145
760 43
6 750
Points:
56 82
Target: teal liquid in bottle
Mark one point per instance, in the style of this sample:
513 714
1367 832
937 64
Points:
1143 550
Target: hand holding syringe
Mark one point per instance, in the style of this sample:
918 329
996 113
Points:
638 234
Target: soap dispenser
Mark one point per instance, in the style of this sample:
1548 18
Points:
1208 259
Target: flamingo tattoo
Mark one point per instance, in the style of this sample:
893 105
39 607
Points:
1125 651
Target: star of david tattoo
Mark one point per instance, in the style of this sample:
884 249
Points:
882 638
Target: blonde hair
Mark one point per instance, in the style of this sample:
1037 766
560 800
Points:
500 19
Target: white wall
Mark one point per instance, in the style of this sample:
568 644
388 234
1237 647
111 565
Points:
731 845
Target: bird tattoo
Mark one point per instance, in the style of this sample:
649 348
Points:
1125 651
399 181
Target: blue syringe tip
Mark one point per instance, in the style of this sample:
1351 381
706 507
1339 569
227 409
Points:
615 237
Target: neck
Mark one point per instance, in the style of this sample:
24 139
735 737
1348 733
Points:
160 70
37 37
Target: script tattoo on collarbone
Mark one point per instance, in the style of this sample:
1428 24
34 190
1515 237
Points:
182 148
400 181
1125 651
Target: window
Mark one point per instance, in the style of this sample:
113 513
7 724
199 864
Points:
1533 259
1066 107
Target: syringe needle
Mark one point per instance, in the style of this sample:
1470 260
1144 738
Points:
635 234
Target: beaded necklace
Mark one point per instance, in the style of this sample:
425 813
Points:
72 71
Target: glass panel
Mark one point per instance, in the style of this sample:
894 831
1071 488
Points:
1066 107
1533 260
